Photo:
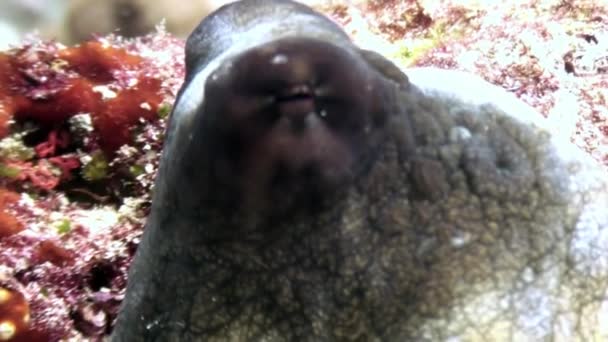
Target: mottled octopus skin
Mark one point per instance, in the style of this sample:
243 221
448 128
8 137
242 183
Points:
459 216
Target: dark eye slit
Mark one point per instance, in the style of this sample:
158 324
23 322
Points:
299 92
294 97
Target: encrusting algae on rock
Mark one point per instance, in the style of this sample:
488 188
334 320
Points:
74 123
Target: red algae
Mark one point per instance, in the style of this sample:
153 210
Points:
50 251
66 239
9 224
118 114
48 86
7 103
98 62
38 174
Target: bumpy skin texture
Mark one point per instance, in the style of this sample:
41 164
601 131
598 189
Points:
427 214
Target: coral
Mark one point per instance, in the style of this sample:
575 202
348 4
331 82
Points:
14 314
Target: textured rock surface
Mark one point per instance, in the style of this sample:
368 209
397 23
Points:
459 219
